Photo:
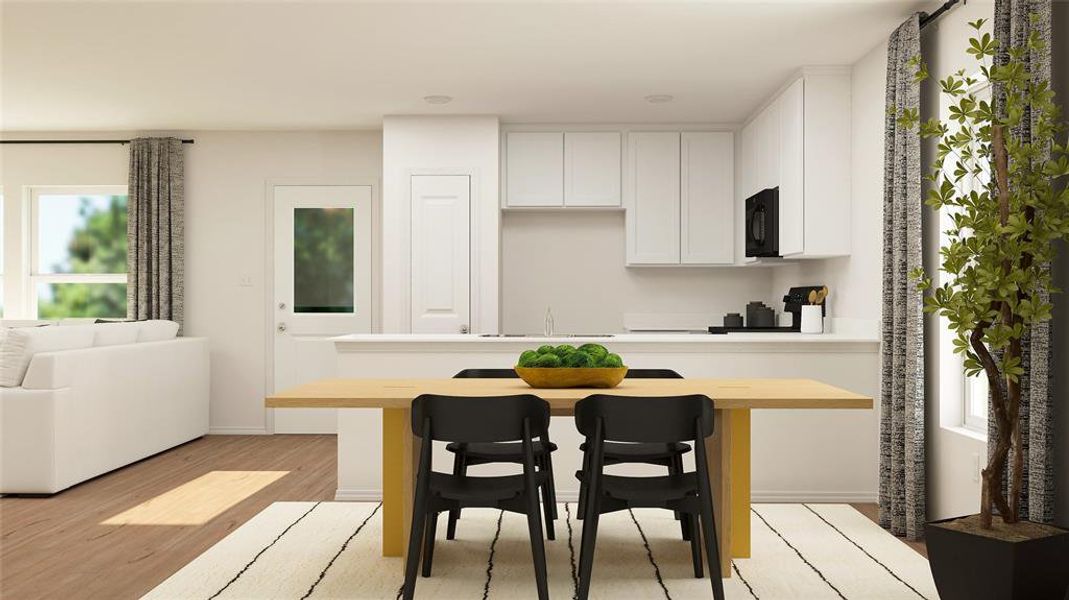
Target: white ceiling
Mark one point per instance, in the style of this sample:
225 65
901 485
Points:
343 65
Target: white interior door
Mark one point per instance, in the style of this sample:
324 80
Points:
322 267
441 253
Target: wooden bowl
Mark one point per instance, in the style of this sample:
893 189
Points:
565 377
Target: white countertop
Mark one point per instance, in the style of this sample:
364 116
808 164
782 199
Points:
621 338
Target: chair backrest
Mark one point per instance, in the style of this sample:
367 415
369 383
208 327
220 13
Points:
487 374
645 419
652 374
479 418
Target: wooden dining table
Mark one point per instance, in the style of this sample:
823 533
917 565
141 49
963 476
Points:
728 448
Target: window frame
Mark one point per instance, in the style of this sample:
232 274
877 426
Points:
33 273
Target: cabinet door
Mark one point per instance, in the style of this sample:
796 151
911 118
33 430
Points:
792 170
653 199
707 205
592 168
534 168
747 164
768 148
441 253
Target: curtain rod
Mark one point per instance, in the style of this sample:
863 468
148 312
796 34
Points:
186 141
928 18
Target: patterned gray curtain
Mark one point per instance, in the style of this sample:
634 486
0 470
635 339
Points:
902 473
154 230
1012 26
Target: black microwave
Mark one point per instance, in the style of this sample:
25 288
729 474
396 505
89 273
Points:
762 223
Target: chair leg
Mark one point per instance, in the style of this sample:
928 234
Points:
547 506
712 551
428 538
691 521
460 468
415 541
586 552
538 548
675 467
552 485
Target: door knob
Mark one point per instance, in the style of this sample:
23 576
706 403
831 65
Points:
282 306
282 328
463 329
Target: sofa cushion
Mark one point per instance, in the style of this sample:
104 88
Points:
113 334
20 344
155 330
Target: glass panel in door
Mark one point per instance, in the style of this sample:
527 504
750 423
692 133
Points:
323 260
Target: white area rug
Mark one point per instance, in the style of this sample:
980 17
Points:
322 550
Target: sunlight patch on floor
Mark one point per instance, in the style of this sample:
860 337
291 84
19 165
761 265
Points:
198 501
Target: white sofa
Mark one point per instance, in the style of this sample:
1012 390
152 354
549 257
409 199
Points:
94 398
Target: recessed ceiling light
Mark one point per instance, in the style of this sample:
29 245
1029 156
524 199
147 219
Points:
437 99
659 98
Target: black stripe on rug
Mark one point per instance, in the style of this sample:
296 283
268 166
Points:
345 545
490 560
262 550
735 568
571 552
858 546
791 546
649 555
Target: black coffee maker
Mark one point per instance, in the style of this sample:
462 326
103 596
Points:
796 298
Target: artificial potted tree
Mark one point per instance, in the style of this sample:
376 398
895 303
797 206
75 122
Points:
1007 205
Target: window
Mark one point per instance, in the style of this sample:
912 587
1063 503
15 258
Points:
78 252
968 394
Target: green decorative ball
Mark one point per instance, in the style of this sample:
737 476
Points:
527 358
612 361
547 361
579 360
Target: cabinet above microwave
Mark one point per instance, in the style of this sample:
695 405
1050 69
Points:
799 142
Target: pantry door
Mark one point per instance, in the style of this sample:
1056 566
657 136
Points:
322 273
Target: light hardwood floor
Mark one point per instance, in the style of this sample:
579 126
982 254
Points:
57 547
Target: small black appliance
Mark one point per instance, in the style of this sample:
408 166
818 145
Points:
759 316
762 223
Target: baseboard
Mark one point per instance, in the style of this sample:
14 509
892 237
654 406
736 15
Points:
755 497
237 431
341 495
759 496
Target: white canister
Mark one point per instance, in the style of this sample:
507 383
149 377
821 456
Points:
812 319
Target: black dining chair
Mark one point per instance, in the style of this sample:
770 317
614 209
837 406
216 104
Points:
470 454
476 420
668 455
649 420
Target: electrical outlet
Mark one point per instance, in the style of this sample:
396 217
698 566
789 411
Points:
245 280
975 467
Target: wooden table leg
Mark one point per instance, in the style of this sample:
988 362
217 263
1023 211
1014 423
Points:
740 483
718 448
395 428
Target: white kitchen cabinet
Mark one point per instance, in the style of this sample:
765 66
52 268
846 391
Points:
441 254
652 204
534 168
800 143
707 203
680 198
790 155
592 168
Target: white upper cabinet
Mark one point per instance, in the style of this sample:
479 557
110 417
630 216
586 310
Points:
534 170
653 198
790 159
592 168
800 143
680 198
707 205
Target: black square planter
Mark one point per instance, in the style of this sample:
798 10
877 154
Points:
975 567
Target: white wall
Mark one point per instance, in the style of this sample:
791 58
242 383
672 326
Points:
226 177
551 258
440 145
